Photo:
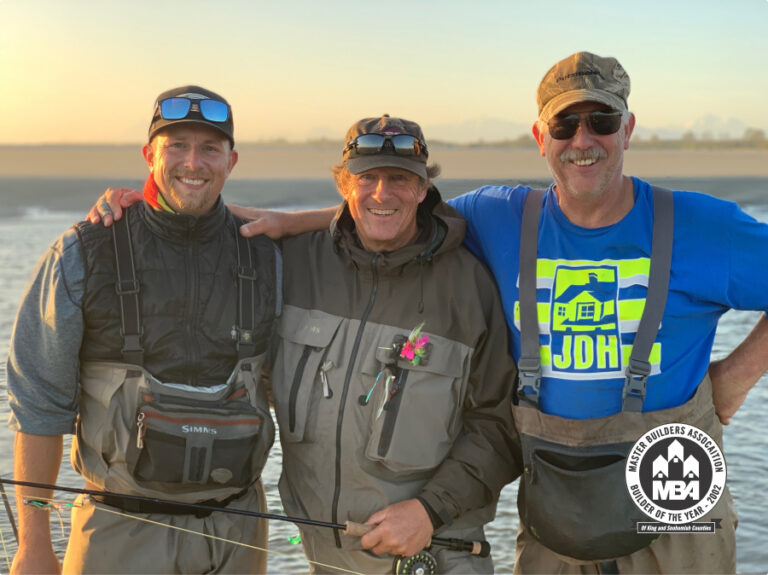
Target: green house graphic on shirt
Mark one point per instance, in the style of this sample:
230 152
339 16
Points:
588 313
586 306
584 323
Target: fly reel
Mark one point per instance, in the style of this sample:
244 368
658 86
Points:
423 563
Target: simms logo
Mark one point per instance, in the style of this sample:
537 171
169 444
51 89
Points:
198 429
675 473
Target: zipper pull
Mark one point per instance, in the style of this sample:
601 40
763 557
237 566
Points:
140 430
327 391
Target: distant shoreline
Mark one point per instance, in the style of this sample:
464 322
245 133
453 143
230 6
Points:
287 161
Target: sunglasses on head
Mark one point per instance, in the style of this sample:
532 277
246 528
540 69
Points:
601 123
401 144
180 107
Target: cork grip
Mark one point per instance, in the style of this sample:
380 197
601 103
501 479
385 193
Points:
357 529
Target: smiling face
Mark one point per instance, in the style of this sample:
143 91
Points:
588 165
383 203
190 164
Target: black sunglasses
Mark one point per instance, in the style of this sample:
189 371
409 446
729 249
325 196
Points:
180 107
601 123
401 144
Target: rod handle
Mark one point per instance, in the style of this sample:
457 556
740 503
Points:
357 529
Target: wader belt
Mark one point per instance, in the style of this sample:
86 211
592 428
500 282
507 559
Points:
137 506
639 368
128 289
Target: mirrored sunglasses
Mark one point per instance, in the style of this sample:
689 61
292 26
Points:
401 144
180 107
601 123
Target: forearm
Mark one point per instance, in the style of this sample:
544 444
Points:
746 364
37 459
310 220
485 456
478 466
734 376
276 224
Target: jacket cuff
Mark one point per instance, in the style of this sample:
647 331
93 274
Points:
438 514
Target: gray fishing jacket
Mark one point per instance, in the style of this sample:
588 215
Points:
362 427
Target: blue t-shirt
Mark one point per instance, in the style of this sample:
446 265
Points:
592 283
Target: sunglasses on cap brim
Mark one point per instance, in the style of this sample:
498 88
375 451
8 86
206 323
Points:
601 123
400 144
180 107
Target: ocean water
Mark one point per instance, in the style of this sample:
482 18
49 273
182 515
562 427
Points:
33 212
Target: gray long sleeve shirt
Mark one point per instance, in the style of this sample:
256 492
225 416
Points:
43 361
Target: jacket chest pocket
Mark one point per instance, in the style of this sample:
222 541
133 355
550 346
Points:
302 362
415 410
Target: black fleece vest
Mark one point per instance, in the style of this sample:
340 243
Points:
188 272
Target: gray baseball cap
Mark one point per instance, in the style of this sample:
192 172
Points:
582 77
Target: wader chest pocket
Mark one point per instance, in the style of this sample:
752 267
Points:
303 370
575 499
203 446
416 419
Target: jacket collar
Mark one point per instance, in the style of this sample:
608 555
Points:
180 228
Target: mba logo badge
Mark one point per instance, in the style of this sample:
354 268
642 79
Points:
675 474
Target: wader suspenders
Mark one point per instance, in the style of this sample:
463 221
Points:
243 331
639 368
128 289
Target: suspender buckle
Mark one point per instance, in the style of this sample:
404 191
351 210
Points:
132 342
246 346
635 384
247 273
529 376
127 287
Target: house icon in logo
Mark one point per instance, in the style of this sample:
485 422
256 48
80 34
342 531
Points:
586 307
675 454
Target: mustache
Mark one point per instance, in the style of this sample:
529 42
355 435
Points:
589 154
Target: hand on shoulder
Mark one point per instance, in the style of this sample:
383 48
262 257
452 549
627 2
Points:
109 207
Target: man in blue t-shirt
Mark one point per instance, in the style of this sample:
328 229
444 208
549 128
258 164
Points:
591 279
591 269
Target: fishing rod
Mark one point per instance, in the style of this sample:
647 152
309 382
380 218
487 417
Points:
9 512
480 548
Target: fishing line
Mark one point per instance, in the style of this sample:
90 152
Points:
12 521
8 511
480 548
5 550
119 513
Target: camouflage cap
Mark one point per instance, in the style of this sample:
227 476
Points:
386 157
582 77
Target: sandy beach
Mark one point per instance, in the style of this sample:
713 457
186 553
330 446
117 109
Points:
298 161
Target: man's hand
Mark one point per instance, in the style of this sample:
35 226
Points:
734 376
37 560
402 528
270 223
109 207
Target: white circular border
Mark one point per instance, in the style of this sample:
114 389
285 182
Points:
707 502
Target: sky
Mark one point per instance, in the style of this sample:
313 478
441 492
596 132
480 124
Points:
88 71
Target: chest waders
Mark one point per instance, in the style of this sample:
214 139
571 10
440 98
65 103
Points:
573 495
139 435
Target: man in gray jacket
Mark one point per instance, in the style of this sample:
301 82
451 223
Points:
392 381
